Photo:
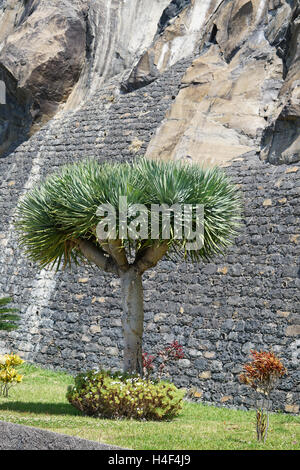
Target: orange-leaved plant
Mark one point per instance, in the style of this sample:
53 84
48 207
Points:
262 374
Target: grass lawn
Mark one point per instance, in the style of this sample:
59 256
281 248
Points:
40 401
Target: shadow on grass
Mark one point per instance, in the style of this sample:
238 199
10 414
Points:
40 408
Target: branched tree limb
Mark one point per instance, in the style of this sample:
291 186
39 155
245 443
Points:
115 249
97 256
148 257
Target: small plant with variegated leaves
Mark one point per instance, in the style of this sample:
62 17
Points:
8 374
262 374
168 355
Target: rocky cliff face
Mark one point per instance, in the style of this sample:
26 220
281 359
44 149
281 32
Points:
43 46
241 93
15 117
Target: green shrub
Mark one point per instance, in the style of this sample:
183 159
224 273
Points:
115 395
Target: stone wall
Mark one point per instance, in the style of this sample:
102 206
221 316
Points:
218 311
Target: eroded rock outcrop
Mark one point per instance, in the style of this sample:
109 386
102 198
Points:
45 51
118 33
61 48
241 93
281 142
180 39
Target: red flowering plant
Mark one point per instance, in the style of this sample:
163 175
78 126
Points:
262 374
164 357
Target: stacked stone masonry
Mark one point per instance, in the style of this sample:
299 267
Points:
218 311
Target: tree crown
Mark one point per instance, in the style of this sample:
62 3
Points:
57 220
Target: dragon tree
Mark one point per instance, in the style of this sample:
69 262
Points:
124 218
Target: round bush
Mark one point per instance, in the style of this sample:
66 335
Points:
115 395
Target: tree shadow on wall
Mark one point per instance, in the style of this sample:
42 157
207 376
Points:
40 408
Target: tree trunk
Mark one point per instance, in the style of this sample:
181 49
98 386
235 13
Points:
132 320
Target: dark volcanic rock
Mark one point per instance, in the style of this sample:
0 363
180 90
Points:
15 117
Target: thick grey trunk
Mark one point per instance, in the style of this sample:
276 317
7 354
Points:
132 320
